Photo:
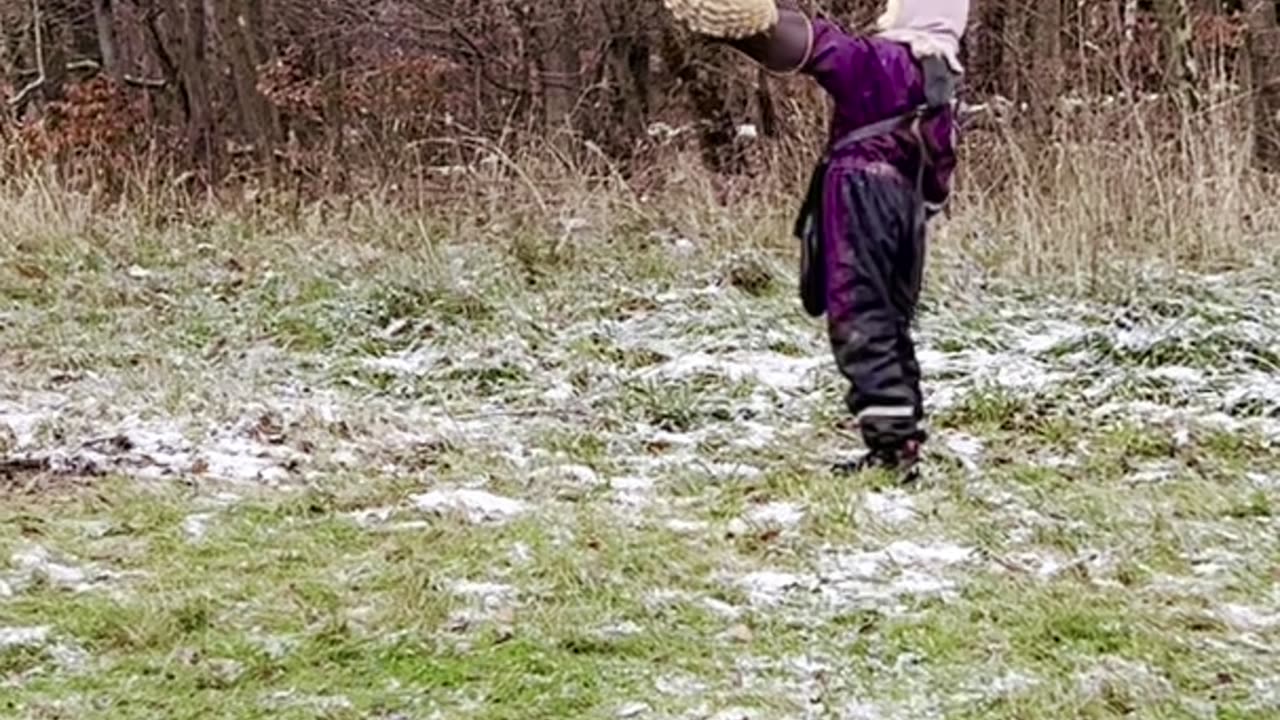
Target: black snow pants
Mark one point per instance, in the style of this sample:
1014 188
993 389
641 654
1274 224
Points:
874 253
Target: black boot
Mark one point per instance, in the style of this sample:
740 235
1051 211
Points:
902 462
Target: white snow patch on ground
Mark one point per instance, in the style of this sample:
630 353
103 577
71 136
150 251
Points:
196 526
783 515
154 451
490 595
477 506
632 710
686 527
1119 677
864 579
751 435
24 637
22 424
1152 473
881 577
769 587
573 475
413 362
772 370
35 563
1248 619
967 448
324 704
890 507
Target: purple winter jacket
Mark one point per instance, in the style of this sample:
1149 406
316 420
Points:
871 79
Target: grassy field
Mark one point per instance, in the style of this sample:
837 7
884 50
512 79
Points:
359 463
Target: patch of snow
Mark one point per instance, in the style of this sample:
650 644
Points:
773 370
560 392
69 657
23 424
1010 684
722 608
619 631
281 699
1152 473
520 554
631 710
413 363
890 507
1123 678
579 475
768 587
196 526
36 563
682 685
1247 619
490 595
1264 693
372 517
275 647
753 435
876 578
731 471
735 713
784 515
1179 374
967 448
477 506
24 637
634 484
1052 335
686 527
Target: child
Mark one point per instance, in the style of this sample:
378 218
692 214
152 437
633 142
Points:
886 171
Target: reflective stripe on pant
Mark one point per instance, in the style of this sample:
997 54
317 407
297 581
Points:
874 261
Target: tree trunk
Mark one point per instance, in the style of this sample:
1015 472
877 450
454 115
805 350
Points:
255 114
186 19
1045 66
104 23
1264 56
1014 58
1181 71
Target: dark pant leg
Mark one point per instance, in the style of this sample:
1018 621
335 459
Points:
873 265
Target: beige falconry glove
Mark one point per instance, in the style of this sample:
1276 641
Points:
775 34
725 19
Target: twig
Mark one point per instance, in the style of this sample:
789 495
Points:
38 21
24 94
20 99
146 83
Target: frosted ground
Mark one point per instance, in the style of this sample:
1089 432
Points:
256 472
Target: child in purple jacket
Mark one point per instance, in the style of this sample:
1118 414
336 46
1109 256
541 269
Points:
886 171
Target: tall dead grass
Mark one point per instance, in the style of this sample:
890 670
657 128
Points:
1119 186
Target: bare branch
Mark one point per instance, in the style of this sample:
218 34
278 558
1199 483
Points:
22 96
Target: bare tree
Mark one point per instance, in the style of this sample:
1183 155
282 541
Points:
1264 55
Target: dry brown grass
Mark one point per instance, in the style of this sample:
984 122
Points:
1120 187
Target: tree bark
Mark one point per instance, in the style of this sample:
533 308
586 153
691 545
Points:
255 113
1181 70
104 23
1264 57
1045 65
186 20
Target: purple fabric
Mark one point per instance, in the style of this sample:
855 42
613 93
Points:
871 79
873 235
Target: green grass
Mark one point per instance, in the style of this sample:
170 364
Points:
1089 564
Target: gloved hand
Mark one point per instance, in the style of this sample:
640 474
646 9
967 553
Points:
725 19
775 34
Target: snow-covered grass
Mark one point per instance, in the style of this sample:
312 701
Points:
257 466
